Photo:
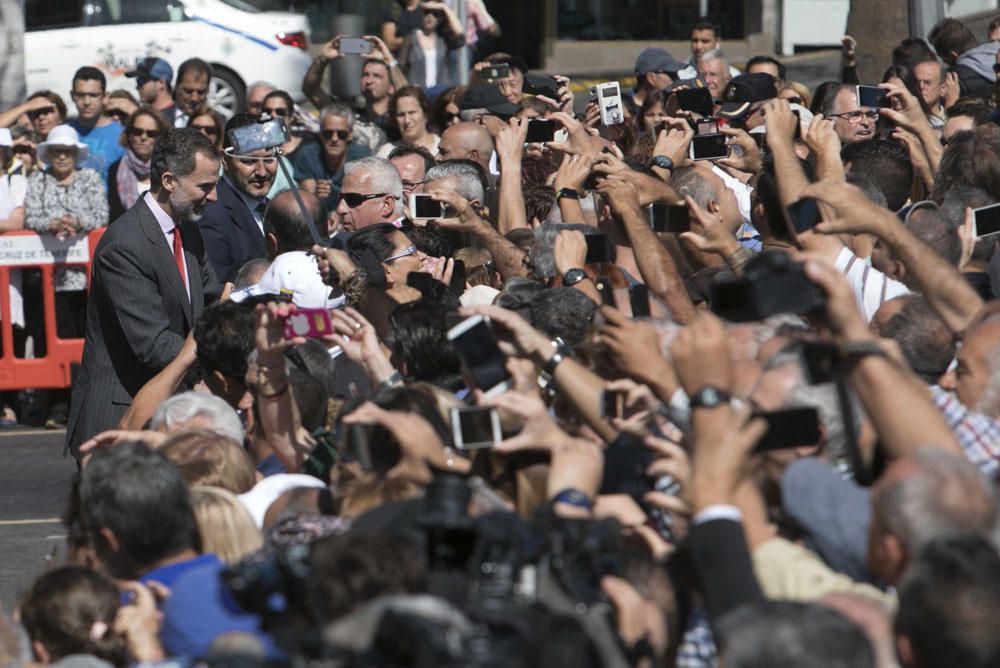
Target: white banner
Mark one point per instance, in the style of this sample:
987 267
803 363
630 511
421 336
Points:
32 249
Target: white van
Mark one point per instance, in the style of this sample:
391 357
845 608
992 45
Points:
242 42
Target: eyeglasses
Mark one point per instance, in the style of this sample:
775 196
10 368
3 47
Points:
119 115
341 134
854 117
354 200
410 185
44 111
77 95
907 211
277 111
206 129
406 252
135 133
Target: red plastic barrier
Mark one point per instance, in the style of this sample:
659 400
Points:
26 250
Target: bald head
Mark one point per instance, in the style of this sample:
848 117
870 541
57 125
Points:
285 229
466 141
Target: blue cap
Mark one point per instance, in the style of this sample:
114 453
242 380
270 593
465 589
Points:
152 68
655 59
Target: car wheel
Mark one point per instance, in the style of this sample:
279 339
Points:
226 93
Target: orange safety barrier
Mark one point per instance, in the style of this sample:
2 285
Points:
27 250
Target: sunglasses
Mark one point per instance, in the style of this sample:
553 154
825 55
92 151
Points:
449 117
277 111
117 114
44 111
139 132
406 252
341 134
354 200
206 129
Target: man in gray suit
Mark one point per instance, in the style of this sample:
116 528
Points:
150 281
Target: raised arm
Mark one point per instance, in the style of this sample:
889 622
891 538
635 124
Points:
312 83
510 150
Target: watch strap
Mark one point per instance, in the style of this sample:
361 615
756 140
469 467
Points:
568 193
572 496
709 397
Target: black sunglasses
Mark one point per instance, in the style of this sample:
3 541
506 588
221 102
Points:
140 132
341 134
354 200
277 111
35 113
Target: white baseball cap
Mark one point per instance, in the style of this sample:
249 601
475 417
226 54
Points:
295 274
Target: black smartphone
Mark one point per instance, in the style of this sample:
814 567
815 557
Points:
425 207
494 72
789 428
871 96
672 218
612 404
803 214
709 147
475 427
540 130
625 464
422 281
458 277
986 220
698 100
357 447
539 84
638 296
476 346
607 290
820 361
598 249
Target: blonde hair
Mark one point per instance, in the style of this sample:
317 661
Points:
799 88
225 525
206 458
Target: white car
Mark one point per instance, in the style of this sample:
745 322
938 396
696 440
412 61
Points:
243 43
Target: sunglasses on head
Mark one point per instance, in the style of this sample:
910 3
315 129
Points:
277 111
118 114
140 132
354 200
341 134
44 111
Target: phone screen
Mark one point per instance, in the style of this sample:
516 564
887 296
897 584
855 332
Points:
355 46
871 96
709 147
803 214
819 361
733 300
625 464
477 347
540 130
672 218
612 404
790 428
458 277
598 249
639 298
475 427
698 100
987 220
425 207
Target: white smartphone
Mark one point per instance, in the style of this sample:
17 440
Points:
425 207
986 221
609 101
476 346
475 427
709 147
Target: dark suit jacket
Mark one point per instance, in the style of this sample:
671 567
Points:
232 236
723 566
138 314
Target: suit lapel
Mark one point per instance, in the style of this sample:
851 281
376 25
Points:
165 262
240 213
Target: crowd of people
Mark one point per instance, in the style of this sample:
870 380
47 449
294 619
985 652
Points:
420 387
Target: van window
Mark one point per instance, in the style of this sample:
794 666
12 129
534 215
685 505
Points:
49 14
111 12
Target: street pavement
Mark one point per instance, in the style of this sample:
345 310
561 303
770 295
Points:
34 484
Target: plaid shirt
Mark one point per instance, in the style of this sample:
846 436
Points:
697 648
978 434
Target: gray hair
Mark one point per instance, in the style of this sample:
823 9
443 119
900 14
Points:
543 259
260 84
687 181
947 496
384 178
470 179
340 110
180 409
714 54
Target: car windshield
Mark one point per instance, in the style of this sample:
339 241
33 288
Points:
260 5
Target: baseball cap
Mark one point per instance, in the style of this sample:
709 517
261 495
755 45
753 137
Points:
655 59
744 90
694 82
488 96
294 274
152 68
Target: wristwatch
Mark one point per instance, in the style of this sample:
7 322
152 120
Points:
573 497
568 193
709 397
573 276
663 162
562 352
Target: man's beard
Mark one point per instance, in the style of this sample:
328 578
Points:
186 211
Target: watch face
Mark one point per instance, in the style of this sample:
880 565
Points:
663 162
573 276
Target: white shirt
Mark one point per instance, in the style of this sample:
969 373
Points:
430 67
13 188
167 225
181 119
871 287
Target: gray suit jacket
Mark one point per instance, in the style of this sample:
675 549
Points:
138 314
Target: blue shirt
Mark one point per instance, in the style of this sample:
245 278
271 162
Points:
308 163
103 144
166 575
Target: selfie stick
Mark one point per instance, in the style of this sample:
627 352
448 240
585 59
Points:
306 216
851 432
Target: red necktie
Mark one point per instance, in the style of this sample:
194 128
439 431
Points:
179 255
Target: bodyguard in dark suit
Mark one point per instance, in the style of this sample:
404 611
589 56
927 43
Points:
150 281
233 226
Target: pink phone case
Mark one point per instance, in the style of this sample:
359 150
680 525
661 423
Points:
308 322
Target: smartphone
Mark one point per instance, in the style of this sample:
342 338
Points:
607 290
425 207
625 464
672 218
354 46
789 428
820 361
539 84
698 100
706 126
612 404
871 96
356 446
609 101
798 126
598 249
475 427
540 130
257 136
803 214
494 72
638 296
986 220
422 281
709 147
309 322
458 277
476 346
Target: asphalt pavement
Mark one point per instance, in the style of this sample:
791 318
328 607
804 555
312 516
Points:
34 484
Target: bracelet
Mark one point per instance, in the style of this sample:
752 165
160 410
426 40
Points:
572 496
394 379
562 352
356 285
273 395
568 193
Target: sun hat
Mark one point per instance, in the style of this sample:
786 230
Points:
62 135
